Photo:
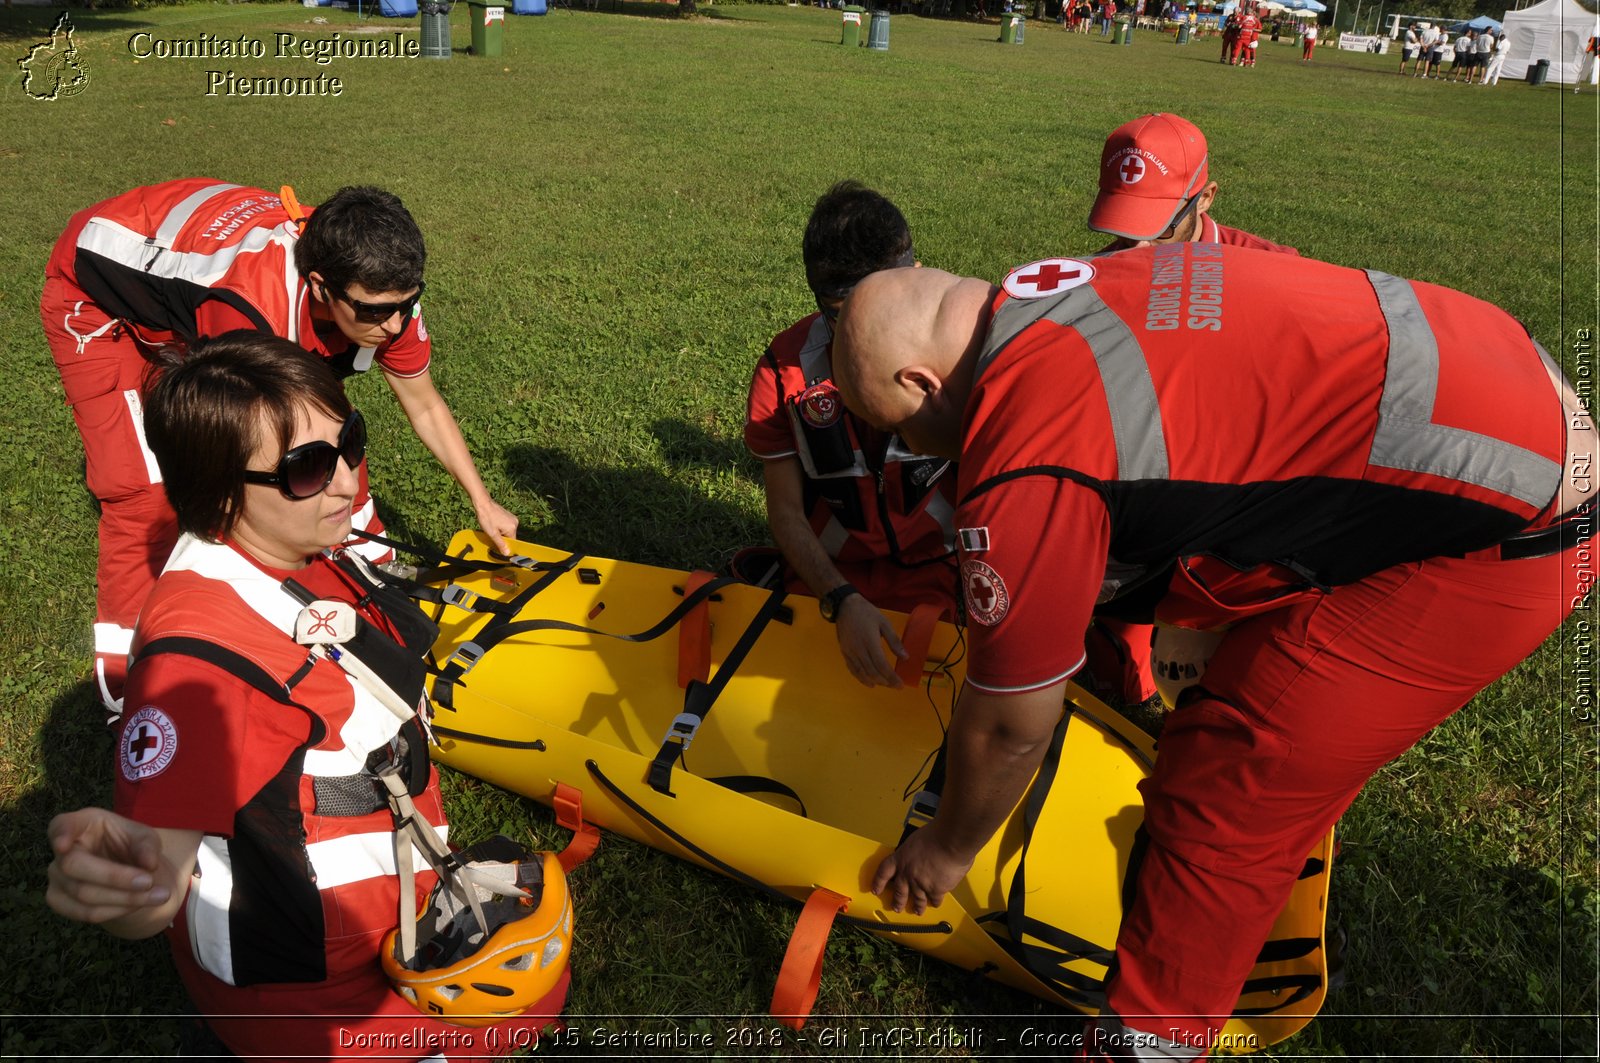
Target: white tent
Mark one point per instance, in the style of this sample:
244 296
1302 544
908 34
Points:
1556 30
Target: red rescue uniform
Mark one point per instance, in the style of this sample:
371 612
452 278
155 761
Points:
1337 486
882 513
277 941
154 270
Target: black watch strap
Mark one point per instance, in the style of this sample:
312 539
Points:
830 602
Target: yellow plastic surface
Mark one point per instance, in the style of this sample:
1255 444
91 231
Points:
600 707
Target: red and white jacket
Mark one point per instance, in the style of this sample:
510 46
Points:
197 257
868 497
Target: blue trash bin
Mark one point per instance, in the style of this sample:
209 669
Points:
397 8
529 7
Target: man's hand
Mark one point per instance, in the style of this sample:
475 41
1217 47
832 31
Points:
862 632
497 522
920 873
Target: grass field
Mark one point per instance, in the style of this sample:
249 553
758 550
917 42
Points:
613 212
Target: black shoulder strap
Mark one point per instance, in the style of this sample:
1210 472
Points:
242 668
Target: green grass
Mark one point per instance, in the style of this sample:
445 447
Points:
614 212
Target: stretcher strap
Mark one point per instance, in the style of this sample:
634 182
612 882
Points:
800 976
448 566
469 653
1046 964
734 873
699 698
568 804
496 630
916 639
694 636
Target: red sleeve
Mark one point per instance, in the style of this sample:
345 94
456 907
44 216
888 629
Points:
1030 594
196 744
409 353
767 432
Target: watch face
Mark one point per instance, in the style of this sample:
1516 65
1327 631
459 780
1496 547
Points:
828 606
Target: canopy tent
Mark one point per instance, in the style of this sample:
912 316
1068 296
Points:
1481 23
1556 30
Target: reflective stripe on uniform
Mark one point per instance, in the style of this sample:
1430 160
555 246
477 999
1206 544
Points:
1406 437
113 639
357 857
1124 375
207 906
152 468
179 216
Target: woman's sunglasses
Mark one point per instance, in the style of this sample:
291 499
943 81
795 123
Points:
378 313
308 469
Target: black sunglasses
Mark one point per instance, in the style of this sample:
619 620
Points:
308 469
378 313
1177 219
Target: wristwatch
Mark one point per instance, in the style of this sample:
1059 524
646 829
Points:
829 603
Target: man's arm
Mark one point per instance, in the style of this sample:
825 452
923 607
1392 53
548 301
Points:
118 873
995 745
863 629
434 424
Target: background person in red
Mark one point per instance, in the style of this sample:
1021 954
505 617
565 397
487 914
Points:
155 269
1249 36
1155 188
1381 498
251 826
861 522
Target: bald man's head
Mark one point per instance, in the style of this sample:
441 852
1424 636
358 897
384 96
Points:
904 351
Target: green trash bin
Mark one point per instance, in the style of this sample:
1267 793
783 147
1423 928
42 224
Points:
488 28
851 22
1124 33
1010 28
1183 33
435 30
1538 72
878 32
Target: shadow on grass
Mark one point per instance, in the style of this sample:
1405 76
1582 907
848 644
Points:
638 514
70 989
32 24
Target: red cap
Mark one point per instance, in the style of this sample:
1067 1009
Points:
1150 167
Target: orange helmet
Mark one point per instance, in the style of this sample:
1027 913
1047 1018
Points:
476 974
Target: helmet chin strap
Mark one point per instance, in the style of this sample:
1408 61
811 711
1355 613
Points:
413 832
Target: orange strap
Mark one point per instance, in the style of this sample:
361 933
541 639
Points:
916 638
568 804
801 973
291 204
694 635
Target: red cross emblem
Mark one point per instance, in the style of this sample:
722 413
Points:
324 622
1131 170
986 594
150 740
1049 277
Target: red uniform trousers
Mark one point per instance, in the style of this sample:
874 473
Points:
1296 711
104 374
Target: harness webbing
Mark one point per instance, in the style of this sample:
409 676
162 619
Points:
699 697
737 875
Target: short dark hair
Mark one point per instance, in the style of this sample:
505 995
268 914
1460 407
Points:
364 236
203 419
853 232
